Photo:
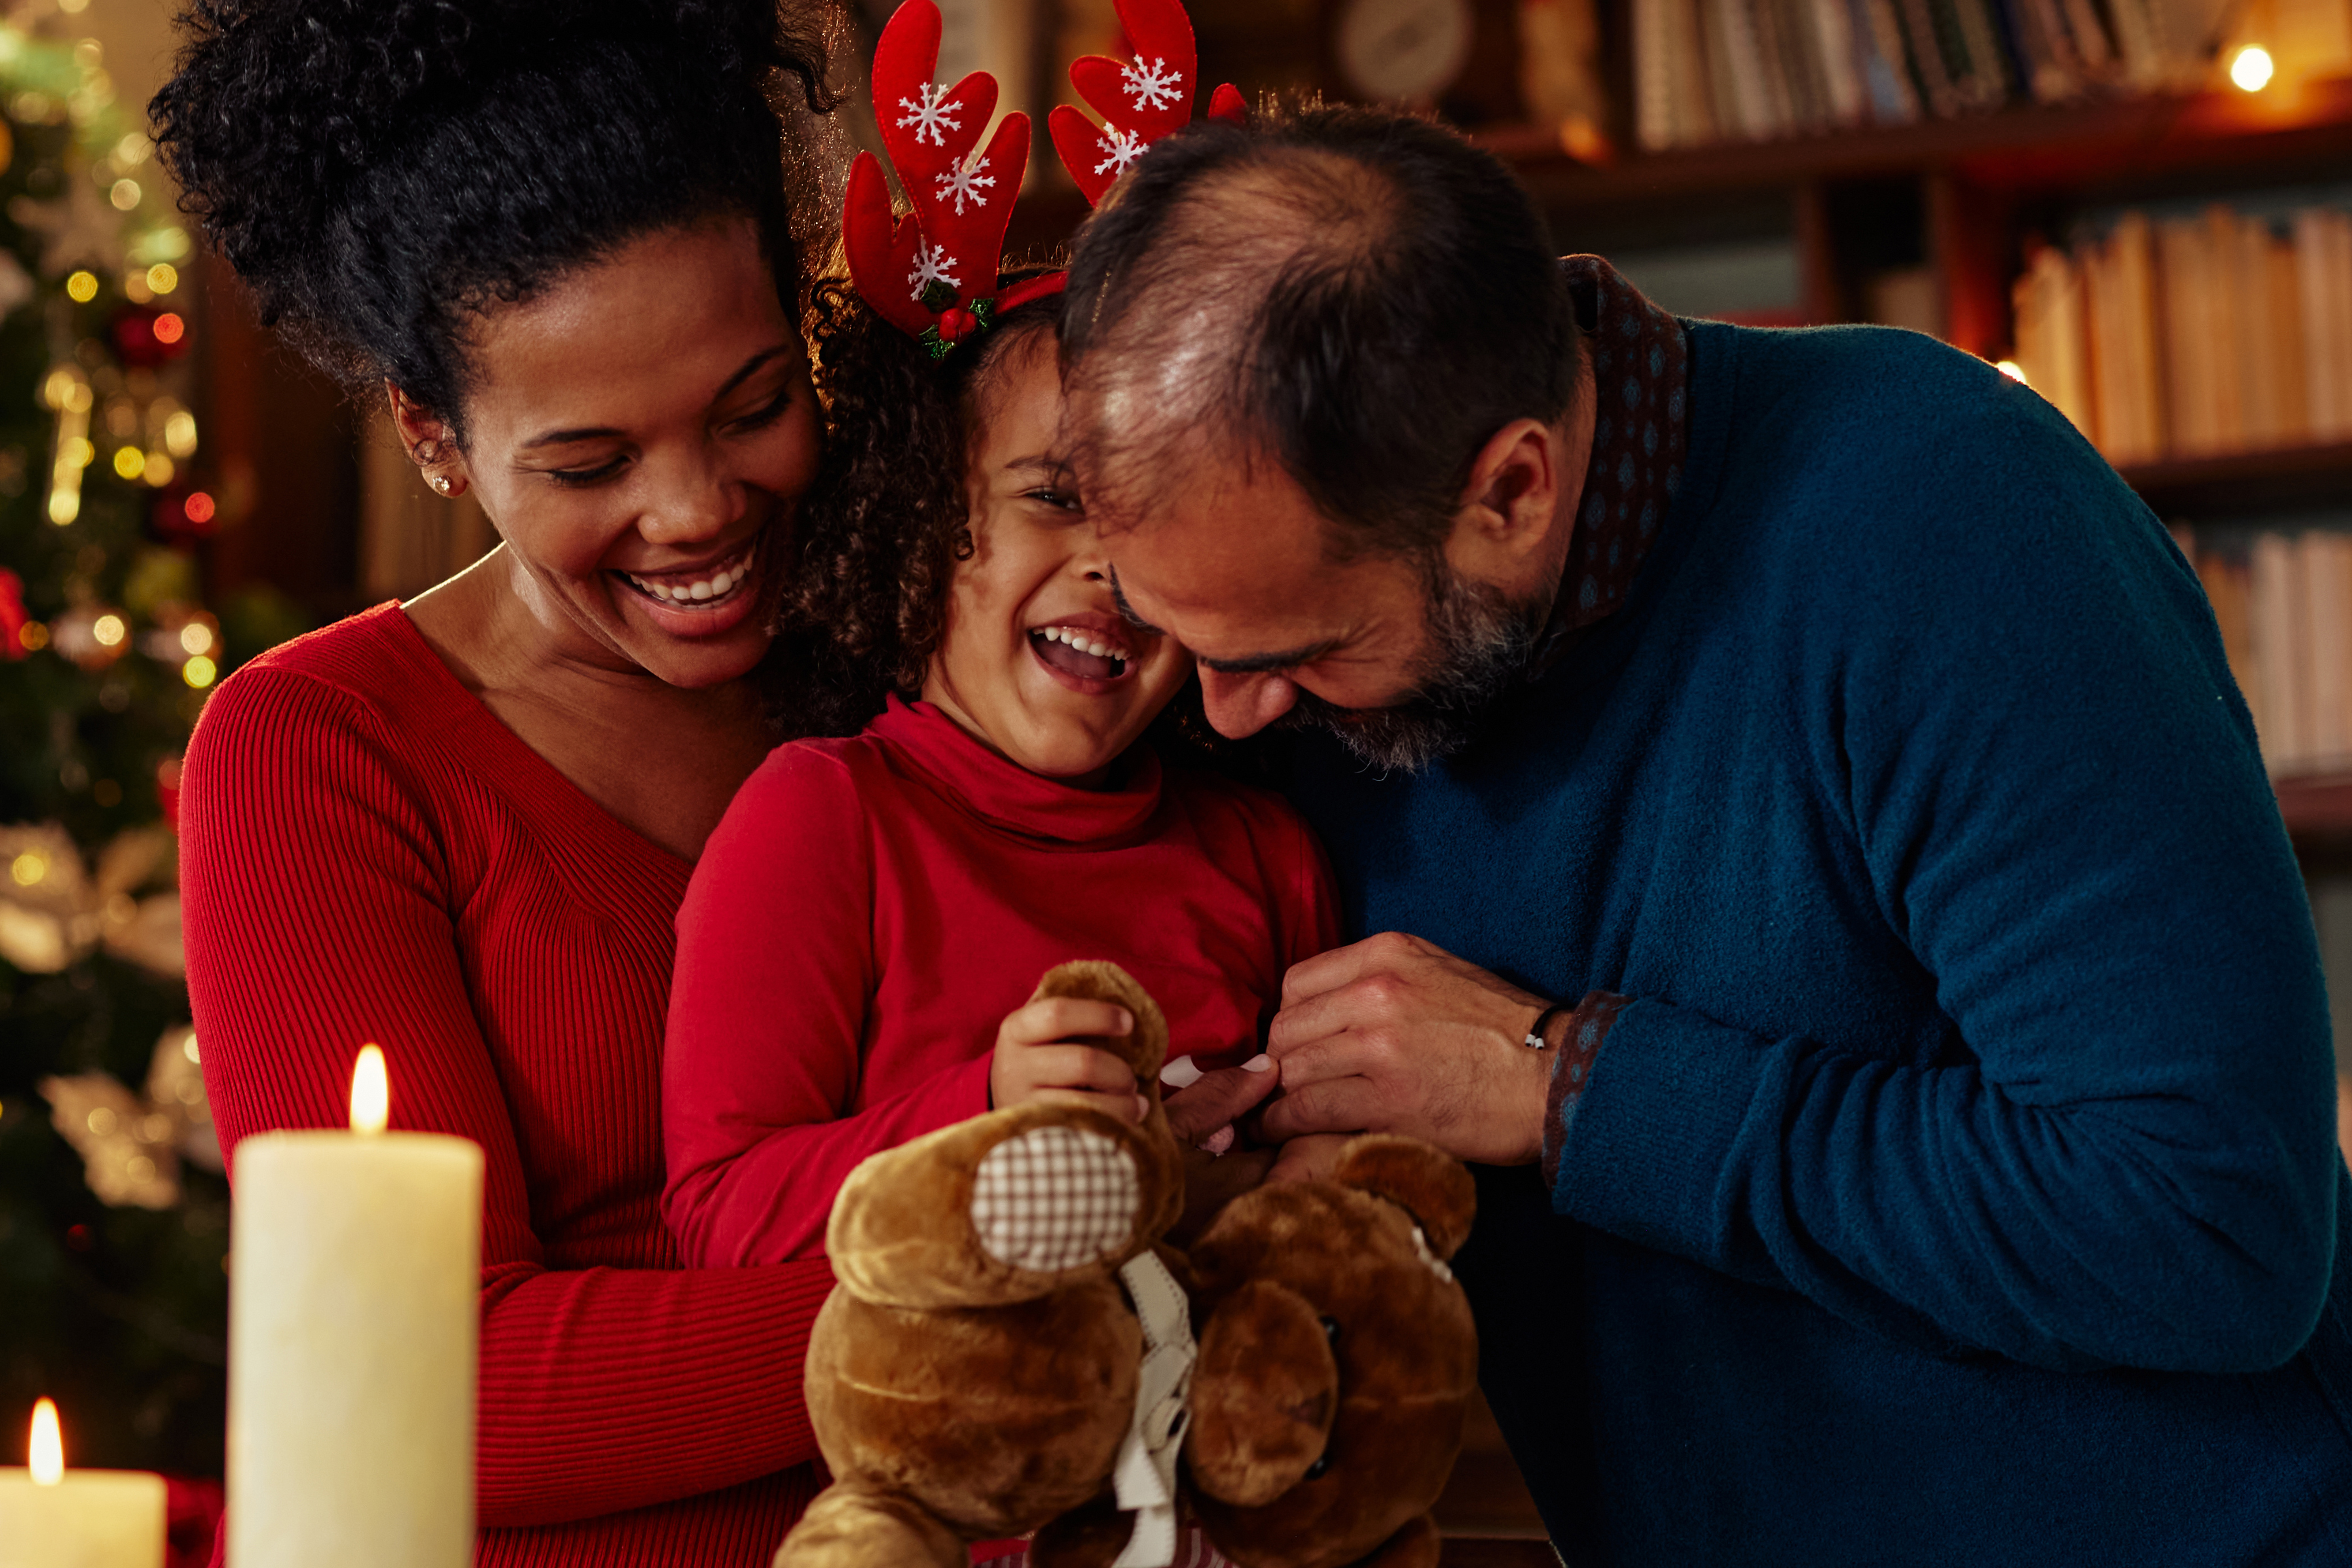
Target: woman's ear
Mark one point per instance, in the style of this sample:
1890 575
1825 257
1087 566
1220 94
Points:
428 442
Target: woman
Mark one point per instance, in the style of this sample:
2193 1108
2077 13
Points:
558 234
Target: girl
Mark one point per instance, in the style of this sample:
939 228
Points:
559 234
856 947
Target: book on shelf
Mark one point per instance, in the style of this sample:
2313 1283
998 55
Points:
1708 70
2195 336
2284 604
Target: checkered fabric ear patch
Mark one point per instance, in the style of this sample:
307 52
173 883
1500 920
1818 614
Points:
1056 1198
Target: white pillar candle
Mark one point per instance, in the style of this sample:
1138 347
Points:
54 1518
356 1263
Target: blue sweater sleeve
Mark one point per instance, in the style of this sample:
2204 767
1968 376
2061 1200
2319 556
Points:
2018 699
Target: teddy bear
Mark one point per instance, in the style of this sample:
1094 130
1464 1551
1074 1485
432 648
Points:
1011 1347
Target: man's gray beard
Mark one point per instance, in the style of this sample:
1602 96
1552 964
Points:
1479 643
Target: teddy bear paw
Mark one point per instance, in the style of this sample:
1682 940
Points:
1054 1198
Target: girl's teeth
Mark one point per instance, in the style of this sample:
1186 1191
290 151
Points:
1083 643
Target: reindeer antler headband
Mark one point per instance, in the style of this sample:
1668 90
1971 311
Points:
932 273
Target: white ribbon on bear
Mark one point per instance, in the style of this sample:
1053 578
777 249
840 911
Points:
1144 1479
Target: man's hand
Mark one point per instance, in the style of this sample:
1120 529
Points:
1042 1058
1394 1034
1202 1105
1202 1110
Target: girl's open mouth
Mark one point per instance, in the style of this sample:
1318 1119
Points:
1080 654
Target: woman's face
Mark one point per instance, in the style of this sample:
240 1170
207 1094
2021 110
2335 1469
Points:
1036 661
640 433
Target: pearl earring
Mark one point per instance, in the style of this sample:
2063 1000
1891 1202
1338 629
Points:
438 481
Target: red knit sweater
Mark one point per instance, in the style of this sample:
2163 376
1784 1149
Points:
871 909
367 854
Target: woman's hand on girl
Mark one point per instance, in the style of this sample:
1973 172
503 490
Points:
1043 1057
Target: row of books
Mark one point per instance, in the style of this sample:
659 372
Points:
2192 336
2285 606
1719 70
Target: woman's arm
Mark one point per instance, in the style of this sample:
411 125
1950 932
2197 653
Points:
318 918
776 971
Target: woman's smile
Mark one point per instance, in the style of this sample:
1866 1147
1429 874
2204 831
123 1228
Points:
697 599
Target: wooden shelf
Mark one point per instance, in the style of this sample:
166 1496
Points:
2024 148
2317 807
2241 483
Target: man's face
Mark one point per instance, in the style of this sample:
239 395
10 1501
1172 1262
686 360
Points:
1396 656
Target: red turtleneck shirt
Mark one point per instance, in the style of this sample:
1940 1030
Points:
872 908
368 855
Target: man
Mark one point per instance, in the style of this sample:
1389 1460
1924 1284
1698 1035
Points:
1849 925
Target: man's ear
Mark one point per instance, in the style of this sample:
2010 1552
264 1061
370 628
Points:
425 437
1501 532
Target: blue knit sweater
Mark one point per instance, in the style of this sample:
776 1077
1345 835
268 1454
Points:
1959 1185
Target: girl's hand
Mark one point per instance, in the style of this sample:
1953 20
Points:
1042 1058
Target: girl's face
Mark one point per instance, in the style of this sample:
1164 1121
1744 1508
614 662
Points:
639 433
1035 661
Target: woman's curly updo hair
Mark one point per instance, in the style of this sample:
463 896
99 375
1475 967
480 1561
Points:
379 172
881 531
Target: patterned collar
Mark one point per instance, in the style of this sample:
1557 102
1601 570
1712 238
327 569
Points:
1640 367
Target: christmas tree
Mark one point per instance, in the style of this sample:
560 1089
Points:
113 1215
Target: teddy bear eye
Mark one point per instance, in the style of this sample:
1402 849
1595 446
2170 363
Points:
1330 1328
1322 1461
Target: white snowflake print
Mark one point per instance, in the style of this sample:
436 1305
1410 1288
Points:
1150 86
1123 148
936 111
960 185
932 265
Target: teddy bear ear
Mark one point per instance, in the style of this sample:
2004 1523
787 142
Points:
1424 1181
1097 980
1263 1395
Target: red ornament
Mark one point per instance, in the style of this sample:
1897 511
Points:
184 514
13 615
147 338
167 791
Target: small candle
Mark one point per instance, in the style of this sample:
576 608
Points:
54 1518
356 1275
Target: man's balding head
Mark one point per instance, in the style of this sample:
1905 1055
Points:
1360 297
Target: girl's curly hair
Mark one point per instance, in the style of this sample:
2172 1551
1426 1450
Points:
881 531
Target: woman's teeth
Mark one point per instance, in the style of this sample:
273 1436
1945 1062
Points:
717 585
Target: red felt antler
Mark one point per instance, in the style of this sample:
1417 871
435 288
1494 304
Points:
933 266
1141 100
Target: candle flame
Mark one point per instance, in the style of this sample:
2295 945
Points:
370 1092
46 1453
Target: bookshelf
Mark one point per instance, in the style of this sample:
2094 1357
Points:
2275 479
2022 148
2318 812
